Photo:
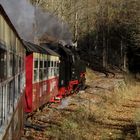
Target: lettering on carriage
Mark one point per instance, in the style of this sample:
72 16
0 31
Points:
33 97
44 88
34 90
41 92
52 85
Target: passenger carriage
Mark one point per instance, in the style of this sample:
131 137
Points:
12 80
42 73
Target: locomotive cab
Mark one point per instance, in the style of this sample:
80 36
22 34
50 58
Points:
78 69
74 72
64 69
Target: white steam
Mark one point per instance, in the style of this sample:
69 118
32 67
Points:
32 22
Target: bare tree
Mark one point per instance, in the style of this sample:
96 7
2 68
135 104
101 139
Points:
105 28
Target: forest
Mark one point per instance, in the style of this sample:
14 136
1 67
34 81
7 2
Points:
107 31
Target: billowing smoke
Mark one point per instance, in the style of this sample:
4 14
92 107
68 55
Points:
21 14
50 24
32 22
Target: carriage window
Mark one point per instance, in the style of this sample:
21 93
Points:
35 75
41 74
41 70
15 64
20 67
11 64
16 89
45 70
41 64
3 104
57 64
48 63
3 70
10 96
55 68
2 108
36 70
51 63
48 69
36 63
45 64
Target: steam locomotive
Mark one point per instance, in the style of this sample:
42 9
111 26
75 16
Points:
32 75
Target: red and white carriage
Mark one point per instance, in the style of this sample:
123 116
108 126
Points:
42 74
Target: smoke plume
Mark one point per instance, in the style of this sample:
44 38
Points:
32 22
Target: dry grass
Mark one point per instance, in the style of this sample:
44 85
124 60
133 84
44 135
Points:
111 118
101 114
130 94
76 126
90 76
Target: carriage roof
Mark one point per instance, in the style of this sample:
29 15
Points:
57 48
30 47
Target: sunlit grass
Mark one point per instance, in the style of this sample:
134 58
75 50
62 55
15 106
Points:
82 123
90 76
75 127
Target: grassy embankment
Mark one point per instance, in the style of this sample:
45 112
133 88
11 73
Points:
109 115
